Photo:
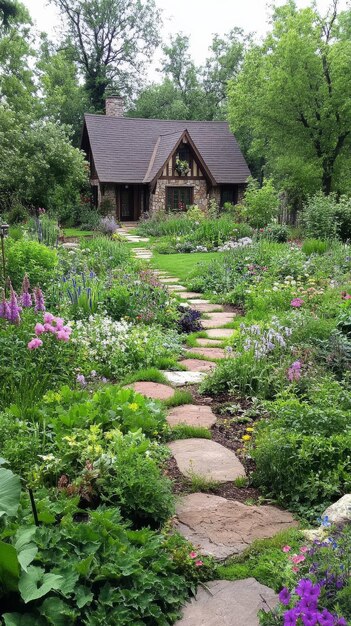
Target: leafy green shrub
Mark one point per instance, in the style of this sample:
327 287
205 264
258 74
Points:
161 225
16 232
34 259
260 204
325 217
17 214
274 232
314 246
103 254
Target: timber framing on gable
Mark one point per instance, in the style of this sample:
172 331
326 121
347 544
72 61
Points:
198 165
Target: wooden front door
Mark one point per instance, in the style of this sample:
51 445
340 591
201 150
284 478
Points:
127 204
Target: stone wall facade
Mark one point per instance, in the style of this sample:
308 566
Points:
158 199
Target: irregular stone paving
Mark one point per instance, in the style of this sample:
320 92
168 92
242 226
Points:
169 280
208 343
206 308
228 603
216 320
156 391
190 294
221 527
206 458
179 379
197 365
209 353
219 333
191 415
198 301
176 287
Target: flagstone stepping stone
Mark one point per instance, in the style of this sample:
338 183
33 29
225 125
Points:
144 239
190 294
219 333
207 307
207 342
176 288
209 353
179 379
206 458
221 527
199 301
156 391
196 365
192 415
216 320
228 603
169 280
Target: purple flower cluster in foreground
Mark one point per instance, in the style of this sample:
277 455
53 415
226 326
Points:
294 371
306 611
263 341
10 309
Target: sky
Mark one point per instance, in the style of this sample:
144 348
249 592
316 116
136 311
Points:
199 19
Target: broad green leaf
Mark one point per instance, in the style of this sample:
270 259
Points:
9 567
24 536
84 566
57 612
83 596
10 491
17 619
27 555
35 584
26 551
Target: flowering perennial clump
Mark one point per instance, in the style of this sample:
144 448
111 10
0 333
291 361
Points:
294 371
262 341
52 325
305 609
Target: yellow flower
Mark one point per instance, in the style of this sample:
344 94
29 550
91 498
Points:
246 437
250 430
133 406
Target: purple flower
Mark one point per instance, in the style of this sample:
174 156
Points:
325 618
341 622
290 617
13 313
39 300
284 596
310 618
4 308
81 380
26 298
294 371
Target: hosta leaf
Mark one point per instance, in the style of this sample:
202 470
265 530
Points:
10 491
27 555
35 584
9 566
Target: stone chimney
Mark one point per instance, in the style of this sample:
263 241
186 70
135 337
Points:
114 106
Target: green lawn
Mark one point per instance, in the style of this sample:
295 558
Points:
75 232
181 265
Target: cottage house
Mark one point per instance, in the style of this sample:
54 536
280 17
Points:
139 165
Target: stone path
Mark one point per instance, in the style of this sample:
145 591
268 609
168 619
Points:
222 528
191 415
207 459
214 525
228 603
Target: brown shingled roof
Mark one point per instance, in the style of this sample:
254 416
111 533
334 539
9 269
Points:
130 150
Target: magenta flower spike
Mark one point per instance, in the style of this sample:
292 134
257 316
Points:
13 313
39 300
26 298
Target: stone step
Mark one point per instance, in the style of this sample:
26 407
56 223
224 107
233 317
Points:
169 280
222 528
192 415
206 308
216 320
156 391
206 458
197 365
179 379
228 603
176 288
190 294
208 343
219 333
209 353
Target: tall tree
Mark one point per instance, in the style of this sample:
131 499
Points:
294 95
8 11
112 39
64 98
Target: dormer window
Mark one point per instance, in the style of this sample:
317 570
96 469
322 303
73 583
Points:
184 153
183 160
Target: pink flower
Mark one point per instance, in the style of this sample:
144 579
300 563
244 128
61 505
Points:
297 558
59 322
295 569
297 302
193 555
67 329
304 549
49 328
198 563
48 318
39 329
62 336
34 344
286 549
